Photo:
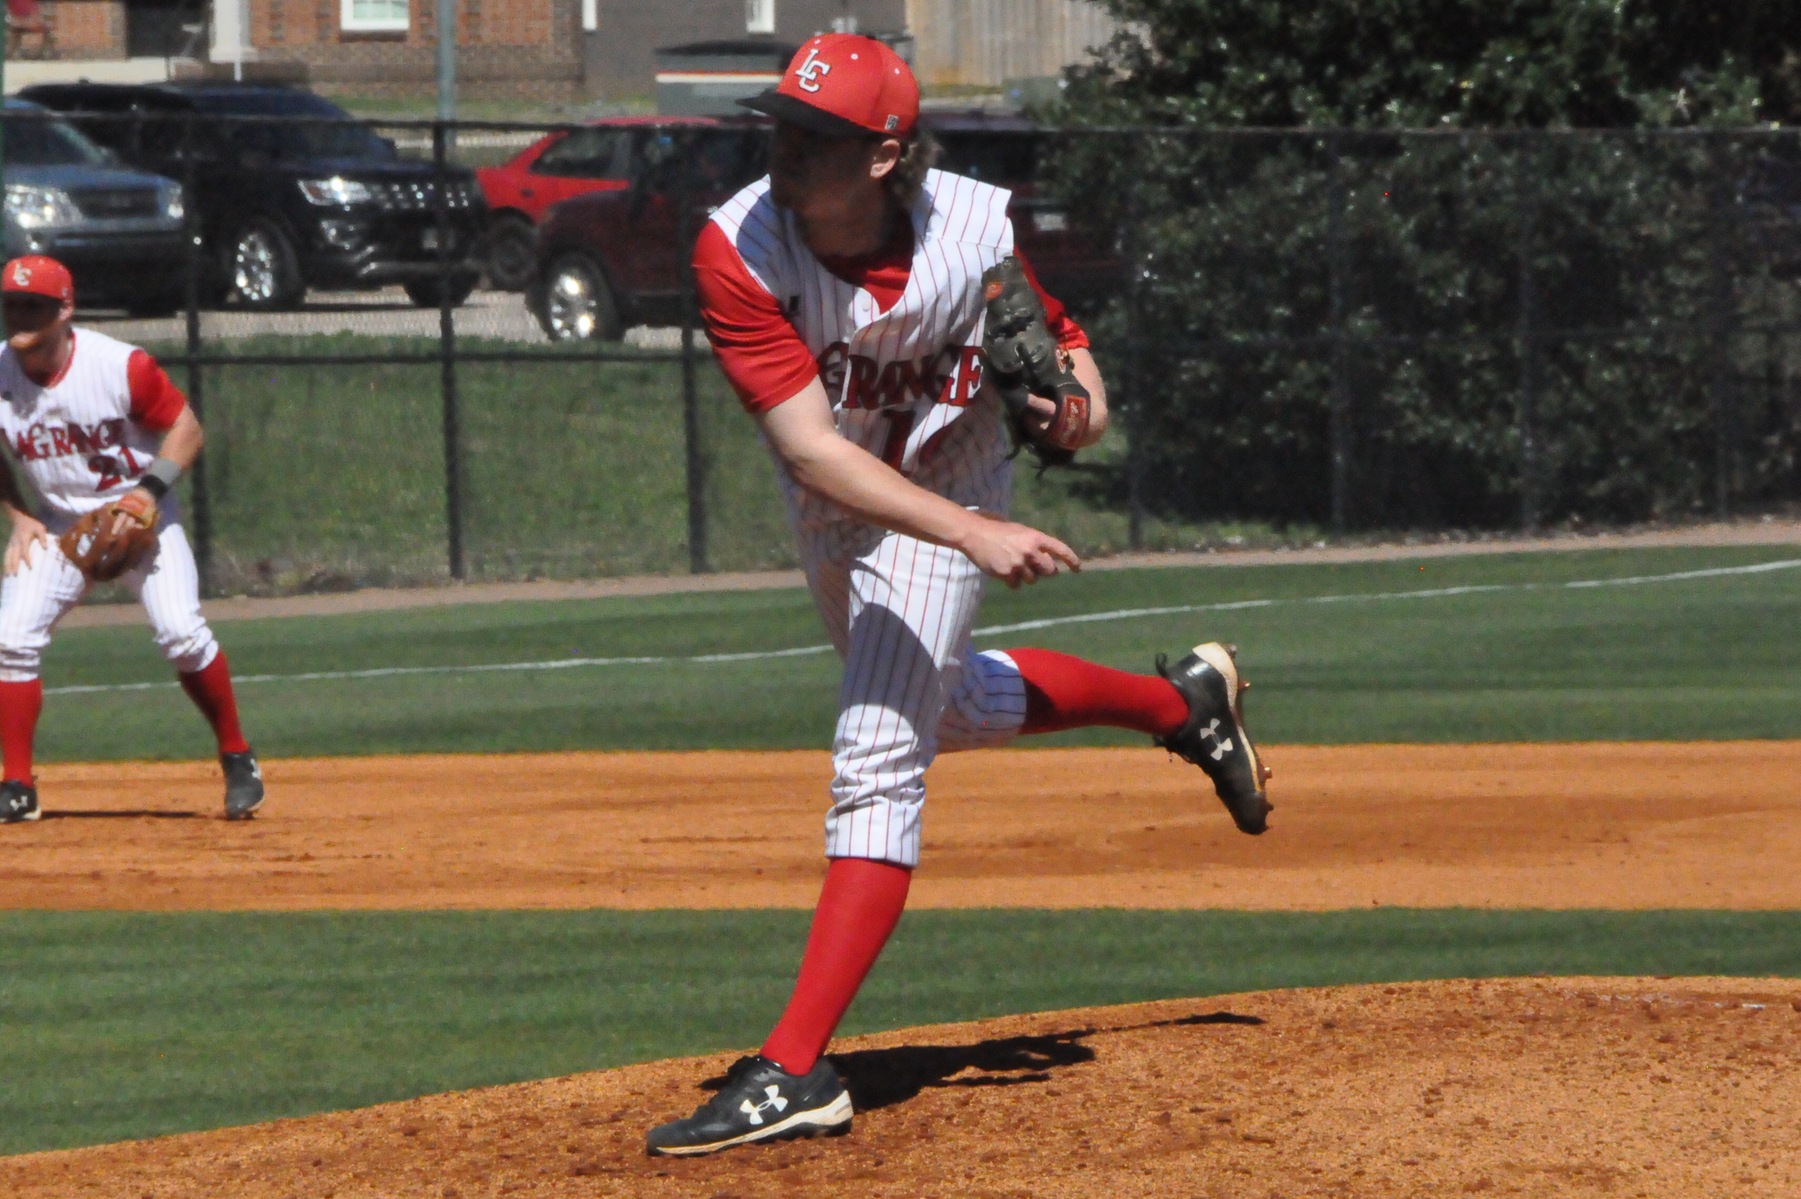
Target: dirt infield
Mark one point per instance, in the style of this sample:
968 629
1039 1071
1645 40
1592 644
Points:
1621 825
1678 1089
1673 1088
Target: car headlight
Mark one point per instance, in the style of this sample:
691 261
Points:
174 203
336 190
32 207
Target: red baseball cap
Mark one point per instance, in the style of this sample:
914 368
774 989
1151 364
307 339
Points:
36 275
845 85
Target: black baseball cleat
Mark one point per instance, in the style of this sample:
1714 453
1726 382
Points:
18 802
1214 737
759 1102
243 784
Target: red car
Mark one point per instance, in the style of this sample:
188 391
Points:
596 157
608 261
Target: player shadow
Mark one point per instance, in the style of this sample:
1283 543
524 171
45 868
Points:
115 814
884 1077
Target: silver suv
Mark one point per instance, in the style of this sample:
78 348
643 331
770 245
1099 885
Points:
118 230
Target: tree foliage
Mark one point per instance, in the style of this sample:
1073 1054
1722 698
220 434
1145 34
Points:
1469 64
1460 268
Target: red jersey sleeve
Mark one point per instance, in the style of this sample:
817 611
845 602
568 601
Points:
757 346
1069 335
155 400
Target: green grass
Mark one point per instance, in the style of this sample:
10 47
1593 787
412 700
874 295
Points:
1710 658
122 1025
131 1025
325 477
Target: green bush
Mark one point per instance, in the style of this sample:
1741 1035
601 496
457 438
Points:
1447 324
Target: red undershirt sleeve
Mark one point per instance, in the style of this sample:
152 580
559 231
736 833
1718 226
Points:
155 400
757 346
1069 335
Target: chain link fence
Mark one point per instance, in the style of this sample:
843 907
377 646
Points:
1328 330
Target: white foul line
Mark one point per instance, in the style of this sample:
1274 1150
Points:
385 672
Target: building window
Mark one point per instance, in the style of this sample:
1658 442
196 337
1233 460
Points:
374 16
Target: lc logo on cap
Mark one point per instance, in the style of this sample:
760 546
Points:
37 275
811 70
844 85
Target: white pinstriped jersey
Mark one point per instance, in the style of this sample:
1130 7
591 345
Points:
903 382
76 438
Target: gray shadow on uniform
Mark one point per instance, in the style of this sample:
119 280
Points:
895 664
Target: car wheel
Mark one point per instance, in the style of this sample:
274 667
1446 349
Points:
260 270
578 302
512 252
429 293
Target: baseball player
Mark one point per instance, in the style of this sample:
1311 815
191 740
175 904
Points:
95 424
845 296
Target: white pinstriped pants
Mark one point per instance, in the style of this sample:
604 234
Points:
899 611
168 585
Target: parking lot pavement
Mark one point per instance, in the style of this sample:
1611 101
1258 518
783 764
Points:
495 315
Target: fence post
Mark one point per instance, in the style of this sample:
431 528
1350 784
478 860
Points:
694 453
1722 321
447 361
1340 412
197 492
1133 374
1530 511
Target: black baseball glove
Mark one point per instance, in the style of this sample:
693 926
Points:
1023 359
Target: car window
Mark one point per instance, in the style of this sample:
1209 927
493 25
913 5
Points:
330 137
586 154
36 142
706 160
103 130
1003 159
163 134
727 159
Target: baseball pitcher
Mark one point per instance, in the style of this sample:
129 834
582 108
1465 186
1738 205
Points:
895 351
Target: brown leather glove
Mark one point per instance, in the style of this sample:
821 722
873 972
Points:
103 555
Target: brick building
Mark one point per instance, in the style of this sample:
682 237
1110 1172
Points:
504 46
553 49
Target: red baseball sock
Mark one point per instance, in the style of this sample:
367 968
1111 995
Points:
20 704
859 906
1067 693
210 689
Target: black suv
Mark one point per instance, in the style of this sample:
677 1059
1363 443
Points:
286 204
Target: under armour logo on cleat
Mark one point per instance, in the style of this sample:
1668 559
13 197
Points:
1221 745
755 1110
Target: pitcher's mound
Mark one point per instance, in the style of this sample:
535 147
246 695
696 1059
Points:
1672 1088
